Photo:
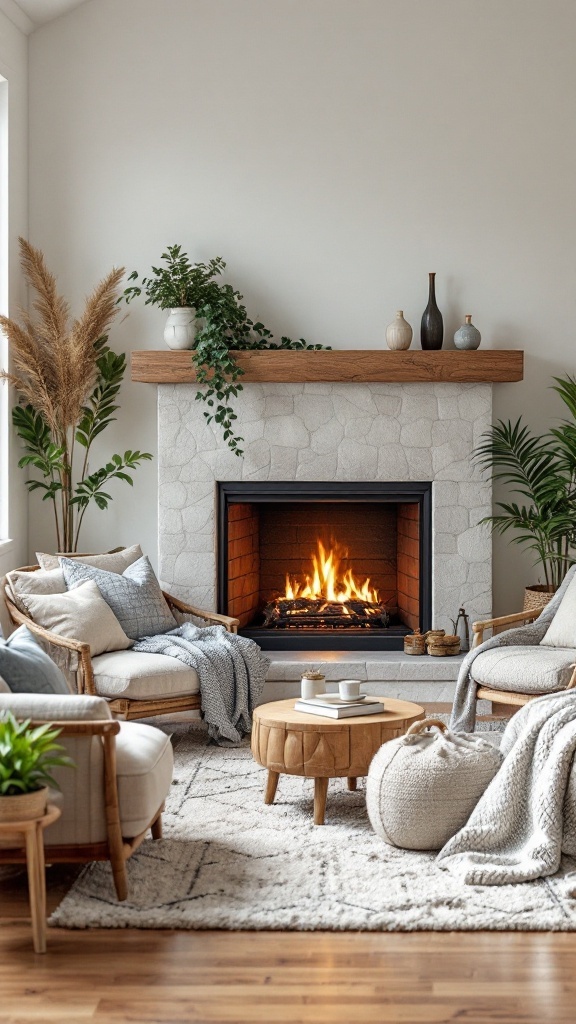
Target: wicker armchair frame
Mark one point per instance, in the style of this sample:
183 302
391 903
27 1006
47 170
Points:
79 653
508 701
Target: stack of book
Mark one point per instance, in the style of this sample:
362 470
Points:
330 705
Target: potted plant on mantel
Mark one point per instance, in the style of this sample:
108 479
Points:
218 326
27 755
542 470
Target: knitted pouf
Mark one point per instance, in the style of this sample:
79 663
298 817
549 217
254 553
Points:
422 787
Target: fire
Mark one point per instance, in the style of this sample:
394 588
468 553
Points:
329 581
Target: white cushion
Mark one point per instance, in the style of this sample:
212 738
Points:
56 707
142 676
525 669
144 765
37 582
562 630
115 561
80 614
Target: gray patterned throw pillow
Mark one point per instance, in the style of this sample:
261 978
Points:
135 597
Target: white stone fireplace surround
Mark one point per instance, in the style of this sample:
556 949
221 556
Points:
336 432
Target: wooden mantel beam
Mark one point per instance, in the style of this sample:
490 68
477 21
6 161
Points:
344 365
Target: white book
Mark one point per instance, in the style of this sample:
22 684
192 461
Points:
344 710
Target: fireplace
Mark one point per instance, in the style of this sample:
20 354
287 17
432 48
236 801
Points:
324 565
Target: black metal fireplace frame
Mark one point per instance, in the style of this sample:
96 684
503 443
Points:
269 492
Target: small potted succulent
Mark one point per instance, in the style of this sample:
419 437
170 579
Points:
27 755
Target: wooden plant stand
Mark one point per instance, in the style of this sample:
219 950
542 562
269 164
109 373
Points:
32 832
289 742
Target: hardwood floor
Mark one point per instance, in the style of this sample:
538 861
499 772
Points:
145 977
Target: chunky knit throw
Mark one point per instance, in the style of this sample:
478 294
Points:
231 669
526 819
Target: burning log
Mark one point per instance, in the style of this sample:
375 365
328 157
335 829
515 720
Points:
304 612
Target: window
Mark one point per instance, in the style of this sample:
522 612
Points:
4 393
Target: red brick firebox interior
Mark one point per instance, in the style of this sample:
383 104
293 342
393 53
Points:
267 541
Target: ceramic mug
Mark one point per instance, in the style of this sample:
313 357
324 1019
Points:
349 688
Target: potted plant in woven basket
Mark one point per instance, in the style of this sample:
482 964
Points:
541 469
27 755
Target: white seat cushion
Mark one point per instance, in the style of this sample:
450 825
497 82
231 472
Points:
142 676
525 669
144 765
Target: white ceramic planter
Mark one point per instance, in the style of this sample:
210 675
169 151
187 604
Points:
180 328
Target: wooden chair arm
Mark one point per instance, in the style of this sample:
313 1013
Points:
96 727
502 621
201 613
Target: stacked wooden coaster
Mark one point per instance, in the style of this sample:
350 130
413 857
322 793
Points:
415 643
442 646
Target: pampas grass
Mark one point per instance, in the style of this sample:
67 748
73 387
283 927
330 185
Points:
68 380
54 361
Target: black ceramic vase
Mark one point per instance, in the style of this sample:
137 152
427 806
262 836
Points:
432 326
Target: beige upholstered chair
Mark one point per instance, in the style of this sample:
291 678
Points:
136 685
494 676
116 792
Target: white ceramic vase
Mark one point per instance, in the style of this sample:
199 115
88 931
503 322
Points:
468 336
180 327
399 333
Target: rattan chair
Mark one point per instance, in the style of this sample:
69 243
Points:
72 654
508 701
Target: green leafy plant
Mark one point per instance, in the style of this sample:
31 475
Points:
224 327
27 755
69 379
542 470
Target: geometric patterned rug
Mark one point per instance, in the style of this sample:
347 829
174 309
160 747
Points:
228 861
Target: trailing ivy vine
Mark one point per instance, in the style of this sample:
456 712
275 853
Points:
224 327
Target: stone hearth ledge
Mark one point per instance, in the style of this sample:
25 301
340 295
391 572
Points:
383 673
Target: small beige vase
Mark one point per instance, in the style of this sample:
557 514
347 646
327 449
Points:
399 333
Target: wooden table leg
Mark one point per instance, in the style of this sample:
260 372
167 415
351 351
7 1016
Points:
320 794
352 783
37 886
271 784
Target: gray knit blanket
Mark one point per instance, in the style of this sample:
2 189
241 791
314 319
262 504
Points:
463 717
526 819
231 669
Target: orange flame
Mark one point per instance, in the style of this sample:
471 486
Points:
329 581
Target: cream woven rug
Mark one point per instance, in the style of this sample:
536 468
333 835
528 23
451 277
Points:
228 861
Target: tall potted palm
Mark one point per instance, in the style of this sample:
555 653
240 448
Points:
541 470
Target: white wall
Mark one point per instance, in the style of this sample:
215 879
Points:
14 68
333 152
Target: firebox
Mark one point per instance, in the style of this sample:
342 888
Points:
325 566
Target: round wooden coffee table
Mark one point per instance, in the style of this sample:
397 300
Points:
289 742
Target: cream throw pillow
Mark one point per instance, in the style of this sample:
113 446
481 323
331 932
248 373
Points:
79 614
38 582
115 561
562 630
